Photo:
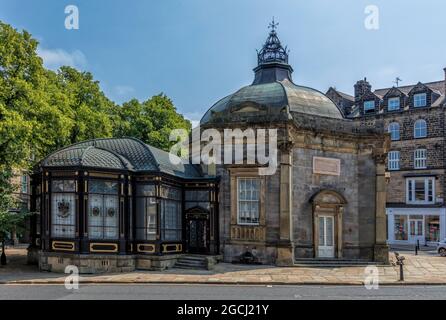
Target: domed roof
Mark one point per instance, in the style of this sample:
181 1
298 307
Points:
119 154
84 157
276 99
273 95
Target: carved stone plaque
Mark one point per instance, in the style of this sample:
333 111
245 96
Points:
328 166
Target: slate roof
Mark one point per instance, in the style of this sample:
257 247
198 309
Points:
119 153
274 98
436 86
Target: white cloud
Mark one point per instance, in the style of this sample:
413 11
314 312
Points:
194 118
194 123
55 58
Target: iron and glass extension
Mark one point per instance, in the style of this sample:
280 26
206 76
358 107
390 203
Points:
121 196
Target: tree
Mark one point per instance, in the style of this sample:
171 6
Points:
151 121
9 221
91 112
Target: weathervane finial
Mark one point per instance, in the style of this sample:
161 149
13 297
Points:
273 25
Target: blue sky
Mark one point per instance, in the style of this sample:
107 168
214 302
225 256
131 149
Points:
197 51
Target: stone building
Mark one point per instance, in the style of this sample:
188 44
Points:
414 116
119 204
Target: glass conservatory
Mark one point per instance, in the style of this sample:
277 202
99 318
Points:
120 197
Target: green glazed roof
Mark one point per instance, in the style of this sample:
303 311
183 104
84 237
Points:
119 153
273 99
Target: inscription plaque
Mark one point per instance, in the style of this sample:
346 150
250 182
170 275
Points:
327 166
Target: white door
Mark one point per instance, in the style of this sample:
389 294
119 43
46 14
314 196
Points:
326 247
416 230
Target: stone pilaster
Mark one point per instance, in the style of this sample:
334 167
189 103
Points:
381 249
285 248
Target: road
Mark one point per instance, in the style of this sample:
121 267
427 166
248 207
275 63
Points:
218 292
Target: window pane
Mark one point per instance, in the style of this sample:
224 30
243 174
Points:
103 209
145 190
63 215
329 227
419 190
321 231
433 228
400 224
171 220
248 200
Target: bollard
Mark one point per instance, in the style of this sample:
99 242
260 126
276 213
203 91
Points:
401 272
418 244
400 262
416 250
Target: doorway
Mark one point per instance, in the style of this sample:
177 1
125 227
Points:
416 230
328 211
197 233
326 248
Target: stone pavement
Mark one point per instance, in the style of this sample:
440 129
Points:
425 269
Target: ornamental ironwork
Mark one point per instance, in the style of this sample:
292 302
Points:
63 209
272 50
95 211
111 212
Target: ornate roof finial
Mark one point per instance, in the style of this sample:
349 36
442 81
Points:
273 25
272 50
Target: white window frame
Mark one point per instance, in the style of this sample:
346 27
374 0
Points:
391 106
410 191
238 202
367 106
24 184
420 100
421 130
393 160
420 159
392 129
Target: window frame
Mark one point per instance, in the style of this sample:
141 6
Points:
420 159
389 129
170 196
389 104
369 110
417 95
250 200
74 210
103 225
145 195
394 160
411 190
415 129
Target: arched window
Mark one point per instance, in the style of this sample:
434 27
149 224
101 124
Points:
394 130
420 129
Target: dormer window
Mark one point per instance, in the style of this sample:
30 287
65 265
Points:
394 104
420 100
369 106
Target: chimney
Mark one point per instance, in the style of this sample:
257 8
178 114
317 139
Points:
361 87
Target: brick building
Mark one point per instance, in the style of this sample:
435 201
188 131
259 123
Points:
414 116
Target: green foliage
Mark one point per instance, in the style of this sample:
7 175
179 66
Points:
9 221
151 121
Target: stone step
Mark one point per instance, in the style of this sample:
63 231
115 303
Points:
191 262
329 263
183 265
195 258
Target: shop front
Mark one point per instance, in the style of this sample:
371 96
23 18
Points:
412 225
